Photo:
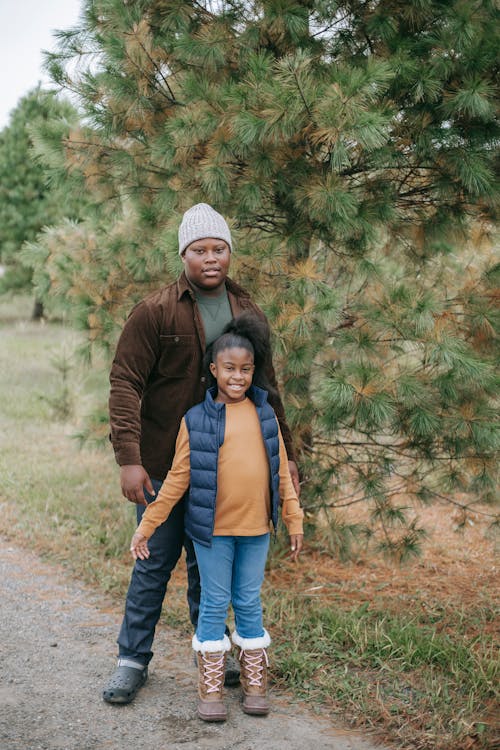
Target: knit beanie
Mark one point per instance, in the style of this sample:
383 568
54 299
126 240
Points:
202 221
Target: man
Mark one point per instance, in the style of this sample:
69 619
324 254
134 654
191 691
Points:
156 377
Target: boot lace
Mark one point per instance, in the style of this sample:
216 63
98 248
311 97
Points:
254 662
213 668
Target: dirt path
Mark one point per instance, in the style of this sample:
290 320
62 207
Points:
57 645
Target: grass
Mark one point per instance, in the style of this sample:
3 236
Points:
426 689
420 670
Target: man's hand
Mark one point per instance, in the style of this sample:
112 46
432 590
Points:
139 547
294 473
295 546
133 479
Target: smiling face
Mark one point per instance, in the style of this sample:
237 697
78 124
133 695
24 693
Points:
233 370
206 263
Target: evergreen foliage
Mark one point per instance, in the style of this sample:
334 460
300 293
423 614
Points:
353 147
28 201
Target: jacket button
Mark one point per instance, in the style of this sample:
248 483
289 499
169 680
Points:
203 379
176 339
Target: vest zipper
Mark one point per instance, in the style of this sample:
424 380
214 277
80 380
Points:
219 443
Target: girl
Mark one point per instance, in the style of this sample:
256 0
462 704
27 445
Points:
231 456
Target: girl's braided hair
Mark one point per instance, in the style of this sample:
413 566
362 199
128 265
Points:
249 332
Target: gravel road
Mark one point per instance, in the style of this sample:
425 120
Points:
57 647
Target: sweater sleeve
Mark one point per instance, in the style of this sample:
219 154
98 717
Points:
173 488
291 512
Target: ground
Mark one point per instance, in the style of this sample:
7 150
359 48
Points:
57 644
458 569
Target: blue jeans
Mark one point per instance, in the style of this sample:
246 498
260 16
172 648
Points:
231 571
148 584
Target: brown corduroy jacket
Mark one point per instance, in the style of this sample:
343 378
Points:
157 375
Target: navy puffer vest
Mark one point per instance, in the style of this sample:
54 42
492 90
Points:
206 424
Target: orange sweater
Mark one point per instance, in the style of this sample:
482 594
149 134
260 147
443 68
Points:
243 494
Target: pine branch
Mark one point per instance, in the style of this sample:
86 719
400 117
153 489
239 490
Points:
462 506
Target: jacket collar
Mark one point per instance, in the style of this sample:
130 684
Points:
257 395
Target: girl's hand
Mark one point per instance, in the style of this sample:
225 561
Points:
139 547
295 546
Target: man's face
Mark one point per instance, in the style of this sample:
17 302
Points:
206 263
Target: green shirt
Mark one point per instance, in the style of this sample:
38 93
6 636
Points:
215 313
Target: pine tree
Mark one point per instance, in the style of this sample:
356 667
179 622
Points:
353 146
27 201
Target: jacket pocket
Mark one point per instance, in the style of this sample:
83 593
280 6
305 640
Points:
177 355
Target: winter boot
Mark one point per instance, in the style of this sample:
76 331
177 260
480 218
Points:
211 657
254 663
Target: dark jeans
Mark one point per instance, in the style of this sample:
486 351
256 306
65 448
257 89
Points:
148 584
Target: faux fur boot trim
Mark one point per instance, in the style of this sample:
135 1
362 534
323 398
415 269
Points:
211 647
248 644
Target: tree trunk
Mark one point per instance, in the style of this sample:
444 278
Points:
37 313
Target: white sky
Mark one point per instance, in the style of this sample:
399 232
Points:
26 28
